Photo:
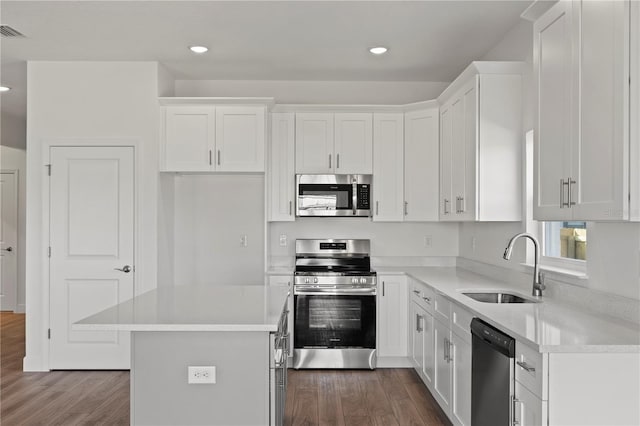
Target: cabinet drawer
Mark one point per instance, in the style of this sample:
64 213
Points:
531 368
461 321
441 308
422 295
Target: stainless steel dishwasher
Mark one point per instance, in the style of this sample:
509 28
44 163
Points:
492 380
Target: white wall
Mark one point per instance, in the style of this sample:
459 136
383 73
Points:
15 159
388 240
317 92
71 103
212 213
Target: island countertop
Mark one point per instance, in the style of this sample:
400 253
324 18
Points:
194 308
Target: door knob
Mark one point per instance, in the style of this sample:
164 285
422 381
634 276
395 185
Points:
9 249
126 269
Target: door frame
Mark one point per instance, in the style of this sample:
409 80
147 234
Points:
17 248
137 145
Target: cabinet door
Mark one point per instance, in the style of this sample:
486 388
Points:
421 162
553 135
282 167
600 164
314 143
446 163
461 380
353 143
392 314
465 165
388 167
240 139
529 409
416 324
189 138
442 366
428 356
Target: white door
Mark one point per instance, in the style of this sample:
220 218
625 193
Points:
392 316
446 164
92 248
442 367
314 143
282 167
417 332
428 360
354 143
461 396
240 139
388 167
8 241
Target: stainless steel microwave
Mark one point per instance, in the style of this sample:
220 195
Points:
333 195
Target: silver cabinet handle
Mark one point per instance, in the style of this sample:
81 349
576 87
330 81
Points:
290 207
406 208
210 163
569 183
446 349
416 292
514 403
425 298
462 206
337 161
526 366
219 155
561 193
9 249
382 288
450 352
126 269
377 211
329 161
457 205
446 204
418 321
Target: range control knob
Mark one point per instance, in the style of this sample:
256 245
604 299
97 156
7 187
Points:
306 280
315 280
363 280
354 281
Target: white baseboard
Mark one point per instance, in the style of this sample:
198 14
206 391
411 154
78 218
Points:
20 308
33 364
394 362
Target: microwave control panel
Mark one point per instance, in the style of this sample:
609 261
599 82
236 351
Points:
363 197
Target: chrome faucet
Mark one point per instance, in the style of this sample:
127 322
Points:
538 277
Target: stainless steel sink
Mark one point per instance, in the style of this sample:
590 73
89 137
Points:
498 298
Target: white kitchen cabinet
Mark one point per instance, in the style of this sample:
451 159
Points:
281 169
340 143
207 138
460 355
422 323
189 138
480 144
388 167
530 410
353 144
442 366
421 160
392 314
286 281
314 143
416 322
582 66
240 139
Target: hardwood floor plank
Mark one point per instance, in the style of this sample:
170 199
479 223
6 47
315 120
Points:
305 412
330 412
427 407
406 412
393 387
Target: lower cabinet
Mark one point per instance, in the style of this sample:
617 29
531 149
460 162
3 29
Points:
285 281
416 320
392 314
461 380
529 409
442 376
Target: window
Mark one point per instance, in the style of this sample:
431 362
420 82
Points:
566 240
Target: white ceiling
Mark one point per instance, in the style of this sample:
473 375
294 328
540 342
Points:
263 40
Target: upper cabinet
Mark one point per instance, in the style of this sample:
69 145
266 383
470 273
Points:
584 155
340 143
281 169
207 138
481 141
388 167
421 164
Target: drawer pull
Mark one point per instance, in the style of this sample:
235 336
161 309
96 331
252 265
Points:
426 298
526 366
416 291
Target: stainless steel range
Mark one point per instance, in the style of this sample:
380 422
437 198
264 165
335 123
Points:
334 305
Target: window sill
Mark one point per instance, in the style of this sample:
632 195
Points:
561 274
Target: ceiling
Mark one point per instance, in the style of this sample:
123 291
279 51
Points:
261 40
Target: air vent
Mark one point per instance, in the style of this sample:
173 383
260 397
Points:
7 31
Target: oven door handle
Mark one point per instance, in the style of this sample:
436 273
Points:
355 291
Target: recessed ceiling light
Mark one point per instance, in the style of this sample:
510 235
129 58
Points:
4 88
198 49
378 50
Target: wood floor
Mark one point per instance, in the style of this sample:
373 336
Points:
382 397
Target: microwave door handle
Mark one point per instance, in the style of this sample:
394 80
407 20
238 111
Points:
354 196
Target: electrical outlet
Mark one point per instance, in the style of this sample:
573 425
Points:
427 240
201 374
244 240
283 240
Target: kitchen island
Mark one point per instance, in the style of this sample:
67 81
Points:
231 328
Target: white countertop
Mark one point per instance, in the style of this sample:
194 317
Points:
191 308
548 326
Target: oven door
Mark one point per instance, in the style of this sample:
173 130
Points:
334 321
